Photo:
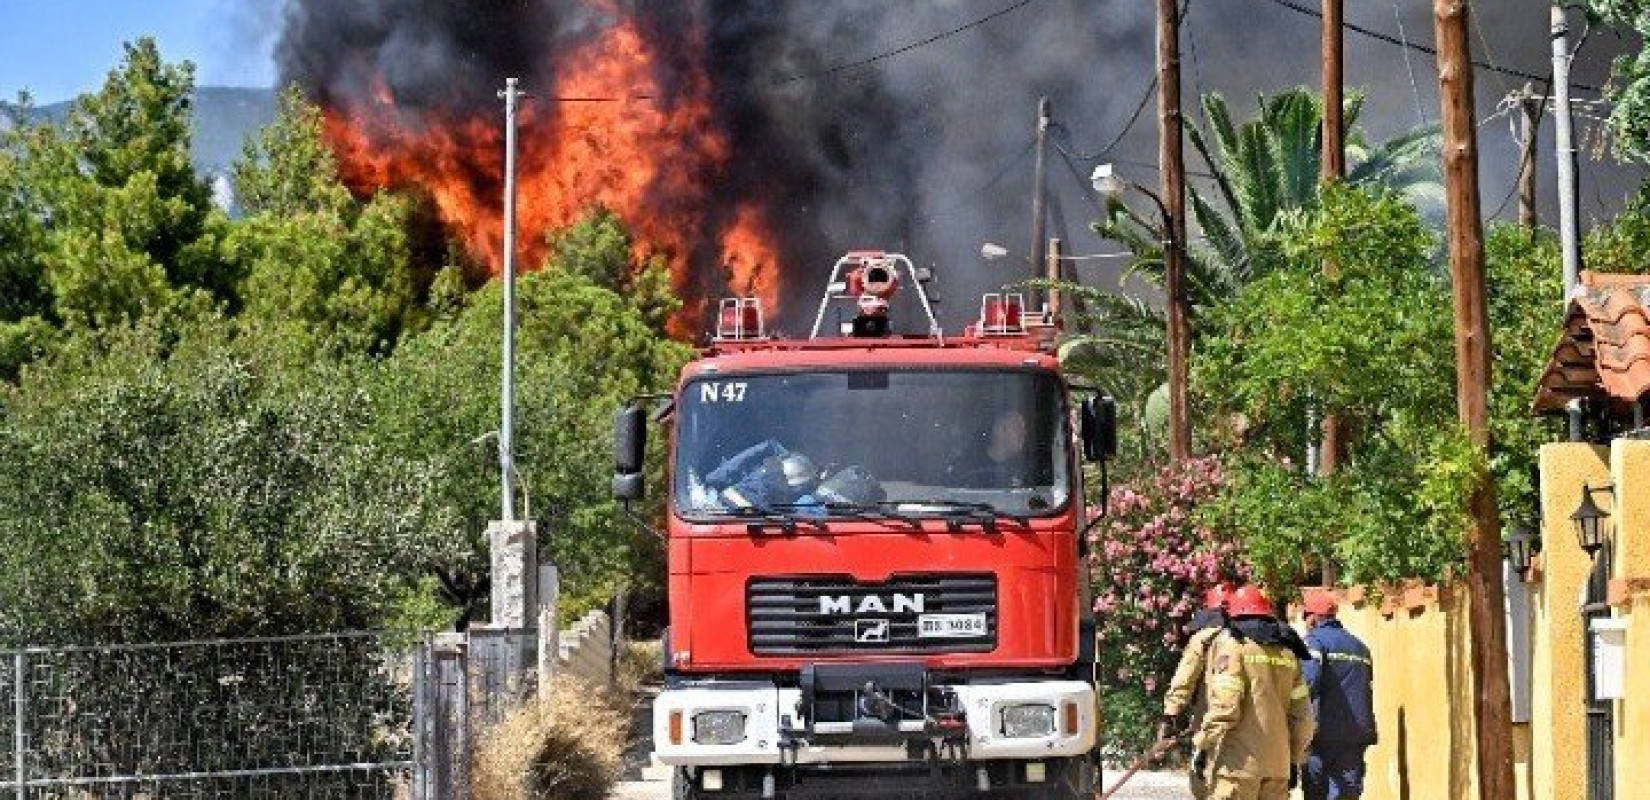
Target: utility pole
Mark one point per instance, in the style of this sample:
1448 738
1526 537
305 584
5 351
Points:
1334 104
1334 170
512 545
1171 161
507 383
1531 106
1569 206
1485 595
1039 190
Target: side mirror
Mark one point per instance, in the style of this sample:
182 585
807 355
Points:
1098 418
629 452
629 487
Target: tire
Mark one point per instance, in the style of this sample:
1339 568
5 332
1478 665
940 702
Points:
681 786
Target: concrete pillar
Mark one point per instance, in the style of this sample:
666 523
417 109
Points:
515 556
1559 757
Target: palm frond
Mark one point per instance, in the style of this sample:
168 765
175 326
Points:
1222 237
1258 181
1294 121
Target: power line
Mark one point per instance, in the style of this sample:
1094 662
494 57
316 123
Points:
965 27
1409 65
1134 119
1008 165
833 69
1429 50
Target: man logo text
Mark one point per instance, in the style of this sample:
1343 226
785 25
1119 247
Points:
871 604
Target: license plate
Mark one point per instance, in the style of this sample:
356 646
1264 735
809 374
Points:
950 626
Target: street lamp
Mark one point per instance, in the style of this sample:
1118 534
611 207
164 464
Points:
1592 522
1109 185
1520 548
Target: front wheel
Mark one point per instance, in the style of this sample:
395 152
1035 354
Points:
681 786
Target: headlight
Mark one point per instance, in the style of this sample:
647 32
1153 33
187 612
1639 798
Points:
1028 721
723 727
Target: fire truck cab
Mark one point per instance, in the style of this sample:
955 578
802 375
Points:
875 558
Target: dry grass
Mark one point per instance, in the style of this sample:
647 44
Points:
640 663
566 746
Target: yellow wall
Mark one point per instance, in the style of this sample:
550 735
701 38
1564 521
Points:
1418 638
1630 567
1633 714
1419 644
1558 757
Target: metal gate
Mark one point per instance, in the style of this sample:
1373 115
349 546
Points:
465 682
343 715
1601 714
280 717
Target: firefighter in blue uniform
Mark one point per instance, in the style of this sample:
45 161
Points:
1340 676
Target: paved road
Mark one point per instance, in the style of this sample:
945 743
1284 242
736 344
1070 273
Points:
1144 786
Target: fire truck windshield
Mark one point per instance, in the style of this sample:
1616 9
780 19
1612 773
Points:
828 443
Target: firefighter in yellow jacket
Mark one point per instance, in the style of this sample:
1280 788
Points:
1185 693
1254 736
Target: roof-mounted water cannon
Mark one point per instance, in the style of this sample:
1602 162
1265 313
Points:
875 283
869 279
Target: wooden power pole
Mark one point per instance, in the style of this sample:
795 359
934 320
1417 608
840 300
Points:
1530 105
1334 103
1171 161
1334 170
1485 596
1039 191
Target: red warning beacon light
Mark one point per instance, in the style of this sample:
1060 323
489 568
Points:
740 318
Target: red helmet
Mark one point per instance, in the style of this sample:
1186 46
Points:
1321 603
1215 596
1248 601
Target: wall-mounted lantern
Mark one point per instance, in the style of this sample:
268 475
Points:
1519 549
1592 522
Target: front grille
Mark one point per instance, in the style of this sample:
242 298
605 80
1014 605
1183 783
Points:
784 615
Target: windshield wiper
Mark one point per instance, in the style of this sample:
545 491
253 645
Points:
956 513
869 513
764 517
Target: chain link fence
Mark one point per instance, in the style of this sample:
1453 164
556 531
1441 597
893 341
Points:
283 717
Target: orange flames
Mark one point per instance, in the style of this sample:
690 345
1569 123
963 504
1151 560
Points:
608 134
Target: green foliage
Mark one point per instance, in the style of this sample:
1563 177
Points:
1368 339
1130 715
287 168
1629 87
1526 307
600 249
338 270
214 425
1265 171
102 221
199 480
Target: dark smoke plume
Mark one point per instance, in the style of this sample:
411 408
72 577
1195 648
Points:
928 151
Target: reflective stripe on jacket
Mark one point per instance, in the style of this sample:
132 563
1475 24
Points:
1341 676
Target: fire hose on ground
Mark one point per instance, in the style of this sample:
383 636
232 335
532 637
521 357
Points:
1155 752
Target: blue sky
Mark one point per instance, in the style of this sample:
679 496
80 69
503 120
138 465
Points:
60 48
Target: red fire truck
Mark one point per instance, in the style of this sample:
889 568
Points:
875 553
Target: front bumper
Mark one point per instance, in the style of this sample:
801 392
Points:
777 732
